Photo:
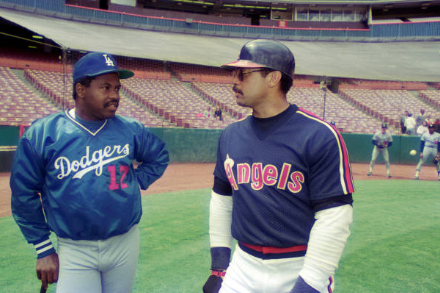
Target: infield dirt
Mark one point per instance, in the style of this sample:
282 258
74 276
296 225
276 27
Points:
199 175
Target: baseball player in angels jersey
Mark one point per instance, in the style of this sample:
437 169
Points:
282 186
429 149
73 175
382 140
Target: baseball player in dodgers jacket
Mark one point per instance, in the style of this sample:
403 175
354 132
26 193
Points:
282 186
73 174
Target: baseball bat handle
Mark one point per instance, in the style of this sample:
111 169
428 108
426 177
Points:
43 288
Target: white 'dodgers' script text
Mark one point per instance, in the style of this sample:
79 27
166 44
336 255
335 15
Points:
88 162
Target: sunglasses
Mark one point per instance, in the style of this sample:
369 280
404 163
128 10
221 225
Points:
239 73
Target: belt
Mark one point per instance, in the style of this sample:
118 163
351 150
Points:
430 146
270 252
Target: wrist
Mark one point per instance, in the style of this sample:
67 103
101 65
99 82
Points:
220 257
220 274
301 286
44 248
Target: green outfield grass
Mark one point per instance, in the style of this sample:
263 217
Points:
394 246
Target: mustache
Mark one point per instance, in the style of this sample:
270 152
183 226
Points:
236 90
112 102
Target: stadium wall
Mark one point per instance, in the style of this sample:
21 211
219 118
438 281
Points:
360 148
8 142
200 146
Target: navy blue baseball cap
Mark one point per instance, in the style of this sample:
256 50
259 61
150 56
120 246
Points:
265 54
94 64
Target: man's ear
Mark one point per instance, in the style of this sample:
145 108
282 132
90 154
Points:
80 90
274 78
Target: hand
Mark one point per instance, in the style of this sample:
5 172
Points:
302 287
47 269
213 284
421 155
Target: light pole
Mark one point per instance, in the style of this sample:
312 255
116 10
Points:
324 88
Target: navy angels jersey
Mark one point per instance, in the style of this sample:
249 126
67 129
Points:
280 171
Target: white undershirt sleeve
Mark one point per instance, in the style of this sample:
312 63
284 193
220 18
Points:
220 219
327 240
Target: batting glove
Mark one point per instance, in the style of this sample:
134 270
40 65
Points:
213 284
302 287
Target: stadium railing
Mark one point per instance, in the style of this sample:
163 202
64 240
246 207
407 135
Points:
387 31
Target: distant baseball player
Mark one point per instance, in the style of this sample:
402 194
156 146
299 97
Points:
73 174
282 186
382 140
429 149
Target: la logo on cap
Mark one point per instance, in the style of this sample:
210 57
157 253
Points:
108 60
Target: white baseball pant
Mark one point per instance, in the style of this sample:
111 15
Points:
376 152
429 153
103 266
249 274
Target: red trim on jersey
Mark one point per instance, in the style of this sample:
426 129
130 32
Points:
347 170
271 249
348 178
330 285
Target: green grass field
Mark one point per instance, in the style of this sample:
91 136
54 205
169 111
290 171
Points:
394 246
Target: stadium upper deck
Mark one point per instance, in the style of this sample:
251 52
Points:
408 60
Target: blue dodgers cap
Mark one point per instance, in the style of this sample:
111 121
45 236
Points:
94 64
